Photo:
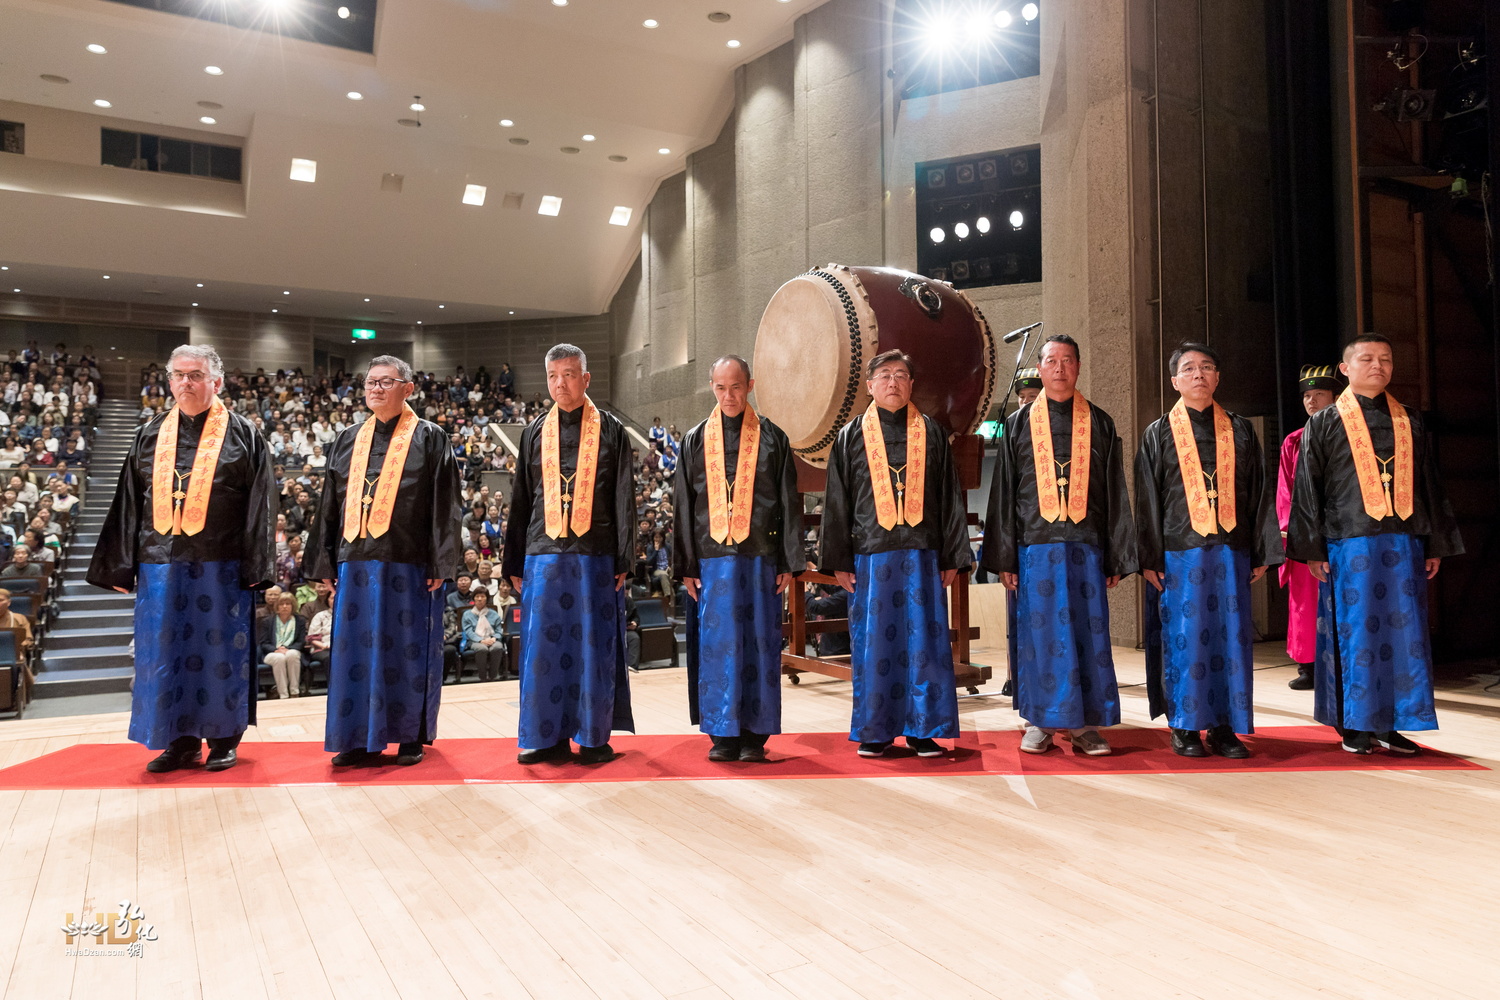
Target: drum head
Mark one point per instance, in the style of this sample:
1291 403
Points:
802 361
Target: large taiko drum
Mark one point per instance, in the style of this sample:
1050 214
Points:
821 328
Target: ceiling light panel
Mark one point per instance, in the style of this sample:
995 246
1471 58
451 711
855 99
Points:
620 216
97 49
551 205
474 194
304 170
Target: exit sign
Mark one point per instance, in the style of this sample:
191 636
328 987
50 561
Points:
362 334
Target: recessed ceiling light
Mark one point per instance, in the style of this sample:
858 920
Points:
106 277
650 22
551 205
568 149
1003 19
506 123
442 307
512 312
200 284
4 267
15 289
286 293
733 43
54 78
97 49
409 122
620 216
344 13
210 105
276 310
588 138
559 3
102 103
419 322
367 300
664 151
209 121
617 158
213 71
195 305
419 107
304 170
355 95
718 17
473 195
518 141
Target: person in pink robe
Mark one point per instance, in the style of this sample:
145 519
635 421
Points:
1320 386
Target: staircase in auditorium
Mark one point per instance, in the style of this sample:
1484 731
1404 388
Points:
87 649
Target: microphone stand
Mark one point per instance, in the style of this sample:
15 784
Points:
1020 356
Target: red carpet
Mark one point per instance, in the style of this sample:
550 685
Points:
683 757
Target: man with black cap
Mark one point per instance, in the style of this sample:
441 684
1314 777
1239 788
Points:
1319 384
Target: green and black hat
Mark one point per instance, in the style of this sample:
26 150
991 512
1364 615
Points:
1319 377
1028 378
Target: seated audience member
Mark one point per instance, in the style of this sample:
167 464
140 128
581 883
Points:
319 637
282 638
484 638
460 599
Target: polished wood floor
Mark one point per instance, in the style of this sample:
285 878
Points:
1284 885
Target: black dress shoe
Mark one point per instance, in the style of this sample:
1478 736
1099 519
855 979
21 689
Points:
1008 689
183 752
873 749
923 747
1188 743
1223 741
1396 743
409 754
358 757
753 753
601 754
558 751
1358 741
725 749
1304 679
221 760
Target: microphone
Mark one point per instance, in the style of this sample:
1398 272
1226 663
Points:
1015 335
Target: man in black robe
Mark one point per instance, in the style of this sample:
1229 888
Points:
1373 524
896 539
387 530
735 571
193 548
568 545
1206 531
1059 532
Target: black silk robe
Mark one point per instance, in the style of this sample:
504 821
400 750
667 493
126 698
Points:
424 527
1326 500
775 513
241 509
850 526
1014 519
1162 523
612 529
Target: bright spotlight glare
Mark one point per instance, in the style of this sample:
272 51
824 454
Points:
936 235
941 32
1003 19
961 229
982 223
1017 220
1030 11
344 13
978 28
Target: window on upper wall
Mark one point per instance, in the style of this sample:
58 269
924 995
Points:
942 45
979 218
12 137
159 154
347 24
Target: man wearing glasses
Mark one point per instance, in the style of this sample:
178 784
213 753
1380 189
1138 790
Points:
191 528
1059 533
387 529
1206 528
895 535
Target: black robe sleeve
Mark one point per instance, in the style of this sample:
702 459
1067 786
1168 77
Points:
258 561
513 559
625 526
114 561
321 550
791 559
835 538
684 514
1001 550
1120 548
955 552
444 549
1151 547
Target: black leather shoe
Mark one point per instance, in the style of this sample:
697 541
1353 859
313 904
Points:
1396 743
182 753
1358 741
1008 689
923 747
1223 741
873 749
753 753
221 760
559 751
409 754
724 750
1304 679
602 754
1188 743
358 757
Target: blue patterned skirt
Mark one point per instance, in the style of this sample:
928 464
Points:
193 675
739 647
1065 667
1374 666
573 679
1198 640
385 668
902 660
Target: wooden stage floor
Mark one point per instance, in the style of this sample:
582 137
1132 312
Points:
1338 884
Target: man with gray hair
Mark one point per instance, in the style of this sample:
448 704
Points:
568 545
388 521
191 528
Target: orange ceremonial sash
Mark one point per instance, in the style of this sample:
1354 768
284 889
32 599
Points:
1202 500
729 517
906 503
370 516
1374 478
174 510
1053 491
580 498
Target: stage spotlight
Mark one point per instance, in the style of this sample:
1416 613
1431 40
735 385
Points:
1003 19
960 270
982 223
964 173
1029 12
937 234
961 229
1017 220
941 32
978 28
344 13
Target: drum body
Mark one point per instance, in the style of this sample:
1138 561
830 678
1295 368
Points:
821 328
